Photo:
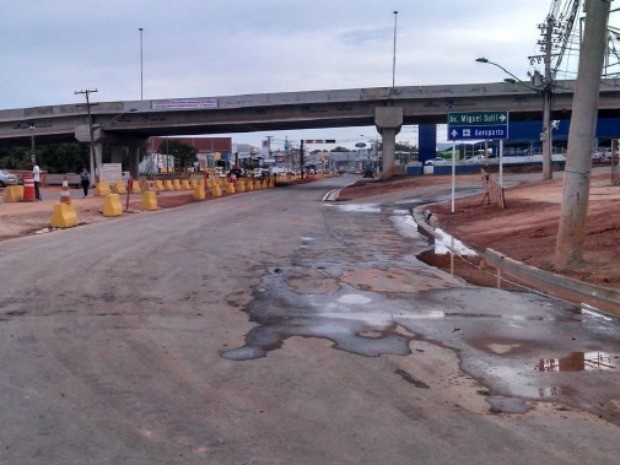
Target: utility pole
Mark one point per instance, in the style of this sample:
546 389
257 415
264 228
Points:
544 84
87 93
301 158
547 133
576 190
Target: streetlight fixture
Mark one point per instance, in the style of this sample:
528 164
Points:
394 52
544 88
32 127
141 65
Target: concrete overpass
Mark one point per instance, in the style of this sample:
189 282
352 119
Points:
129 123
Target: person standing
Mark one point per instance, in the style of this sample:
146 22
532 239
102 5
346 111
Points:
36 177
85 178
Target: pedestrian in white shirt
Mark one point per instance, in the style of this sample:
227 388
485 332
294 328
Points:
36 177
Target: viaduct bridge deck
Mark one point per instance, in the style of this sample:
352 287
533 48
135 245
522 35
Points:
290 110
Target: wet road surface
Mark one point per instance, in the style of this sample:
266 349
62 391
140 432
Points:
275 328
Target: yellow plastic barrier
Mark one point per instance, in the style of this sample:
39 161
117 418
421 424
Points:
102 189
240 185
159 185
135 187
112 205
193 183
119 187
64 216
230 188
149 201
185 185
168 185
176 184
257 185
14 194
249 185
216 191
199 193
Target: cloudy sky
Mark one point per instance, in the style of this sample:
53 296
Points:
200 48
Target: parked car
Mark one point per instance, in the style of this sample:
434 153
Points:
8 179
436 161
475 159
601 155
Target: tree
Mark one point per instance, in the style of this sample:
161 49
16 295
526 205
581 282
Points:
53 158
186 154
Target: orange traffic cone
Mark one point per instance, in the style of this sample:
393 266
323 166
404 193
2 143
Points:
65 194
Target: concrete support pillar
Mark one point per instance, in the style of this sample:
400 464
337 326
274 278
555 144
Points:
134 162
98 155
117 154
388 121
427 149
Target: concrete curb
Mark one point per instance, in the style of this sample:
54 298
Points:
569 289
563 287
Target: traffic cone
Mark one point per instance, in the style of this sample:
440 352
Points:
65 193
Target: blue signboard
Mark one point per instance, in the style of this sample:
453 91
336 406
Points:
478 125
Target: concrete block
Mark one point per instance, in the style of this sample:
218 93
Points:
102 189
119 187
112 205
199 193
149 201
64 216
14 194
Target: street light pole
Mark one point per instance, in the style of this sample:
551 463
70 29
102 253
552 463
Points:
394 52
141 65
93 173
544 90
33 157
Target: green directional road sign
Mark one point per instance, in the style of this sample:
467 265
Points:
478 125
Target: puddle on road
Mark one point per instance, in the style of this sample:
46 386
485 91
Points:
357 207
447 243
579 361
382 302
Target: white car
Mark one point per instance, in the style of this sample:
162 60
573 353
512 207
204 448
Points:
8 179
436 161
601 155
475 159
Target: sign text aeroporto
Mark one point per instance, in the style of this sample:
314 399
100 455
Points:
478 125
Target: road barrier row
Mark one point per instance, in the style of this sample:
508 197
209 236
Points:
64 214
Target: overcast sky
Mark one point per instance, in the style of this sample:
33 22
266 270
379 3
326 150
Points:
200 48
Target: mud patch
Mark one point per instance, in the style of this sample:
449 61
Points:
410 379
397 280
507 405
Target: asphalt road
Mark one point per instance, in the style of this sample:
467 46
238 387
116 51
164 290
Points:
274 328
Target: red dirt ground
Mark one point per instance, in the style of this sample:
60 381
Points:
526 230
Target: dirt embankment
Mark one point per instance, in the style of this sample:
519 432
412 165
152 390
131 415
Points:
526 230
